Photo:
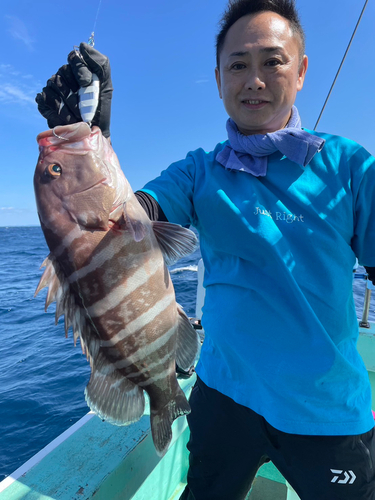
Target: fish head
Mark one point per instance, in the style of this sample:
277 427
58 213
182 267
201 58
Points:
78 179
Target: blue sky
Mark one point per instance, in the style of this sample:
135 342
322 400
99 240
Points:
165 101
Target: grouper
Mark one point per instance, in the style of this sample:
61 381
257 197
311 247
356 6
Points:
107 271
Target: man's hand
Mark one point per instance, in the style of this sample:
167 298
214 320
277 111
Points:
58 101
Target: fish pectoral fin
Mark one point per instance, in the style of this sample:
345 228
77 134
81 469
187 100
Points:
112 396
132 224
175 241
187 341
162 419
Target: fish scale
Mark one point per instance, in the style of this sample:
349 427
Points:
107 271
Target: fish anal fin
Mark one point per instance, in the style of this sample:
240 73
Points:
187 341
175 241
112 396
162 419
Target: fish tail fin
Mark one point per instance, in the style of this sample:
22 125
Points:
113 397
187 341
162 419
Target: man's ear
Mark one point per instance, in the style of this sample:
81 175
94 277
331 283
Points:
218 81
302 72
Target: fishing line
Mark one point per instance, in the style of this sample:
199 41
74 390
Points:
91 39
342 62
97 13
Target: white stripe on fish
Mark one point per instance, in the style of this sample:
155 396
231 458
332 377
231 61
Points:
149 367
164 374
146 351
118 294
140 322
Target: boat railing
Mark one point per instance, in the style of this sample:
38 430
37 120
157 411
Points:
364 323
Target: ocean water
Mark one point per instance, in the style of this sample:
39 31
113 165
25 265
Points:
42 376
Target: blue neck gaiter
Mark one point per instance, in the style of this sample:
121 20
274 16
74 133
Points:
248 153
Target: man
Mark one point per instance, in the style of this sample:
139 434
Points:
281 213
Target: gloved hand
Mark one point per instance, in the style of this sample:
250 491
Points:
58 101
371 274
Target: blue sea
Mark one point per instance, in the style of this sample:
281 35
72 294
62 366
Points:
42 376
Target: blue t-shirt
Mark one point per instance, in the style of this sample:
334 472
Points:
279 317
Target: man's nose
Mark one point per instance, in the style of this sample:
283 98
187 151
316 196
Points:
255 81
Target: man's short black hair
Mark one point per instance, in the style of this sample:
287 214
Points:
239 8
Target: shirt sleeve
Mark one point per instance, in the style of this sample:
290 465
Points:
363 241
150 206
174 191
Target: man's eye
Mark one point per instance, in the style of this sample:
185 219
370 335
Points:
273 62
238 66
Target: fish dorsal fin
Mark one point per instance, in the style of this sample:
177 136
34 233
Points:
49 279
187 341
175 241
74 315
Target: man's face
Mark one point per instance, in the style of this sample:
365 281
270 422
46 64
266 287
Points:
260 72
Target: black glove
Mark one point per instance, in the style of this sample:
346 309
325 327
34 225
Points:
371 274
62 88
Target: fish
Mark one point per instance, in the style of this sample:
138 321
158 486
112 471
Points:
107 271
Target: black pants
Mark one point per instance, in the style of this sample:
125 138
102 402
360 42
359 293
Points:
229 442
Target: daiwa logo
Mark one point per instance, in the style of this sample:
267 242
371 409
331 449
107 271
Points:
349 477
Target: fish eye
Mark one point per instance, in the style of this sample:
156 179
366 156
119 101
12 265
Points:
54 169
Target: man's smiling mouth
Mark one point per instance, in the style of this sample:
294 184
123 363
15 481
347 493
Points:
254 102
